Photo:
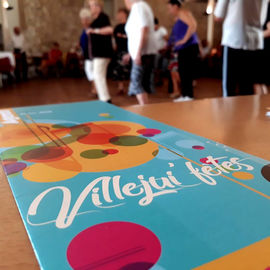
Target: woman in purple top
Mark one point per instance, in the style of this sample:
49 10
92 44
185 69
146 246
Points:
185 42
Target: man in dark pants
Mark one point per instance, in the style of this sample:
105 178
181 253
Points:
242 38
20 54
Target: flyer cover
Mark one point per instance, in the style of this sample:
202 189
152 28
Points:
101 188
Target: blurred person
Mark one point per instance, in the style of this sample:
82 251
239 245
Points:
161 37
142 48
186 43
85 16
20 54
100 32
121 69
242 38
264 70
85 43
53 61
73 61
205 50
175 77
215 62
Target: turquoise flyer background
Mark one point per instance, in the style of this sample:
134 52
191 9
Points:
101 188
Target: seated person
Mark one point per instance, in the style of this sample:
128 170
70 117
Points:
73 61
53 62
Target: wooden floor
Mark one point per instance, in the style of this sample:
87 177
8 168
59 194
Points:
51 91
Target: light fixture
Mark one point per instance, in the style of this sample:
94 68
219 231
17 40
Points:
210 7
6 5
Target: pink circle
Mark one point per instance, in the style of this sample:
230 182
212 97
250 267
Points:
149 131
198 147
114 245
203 160
111 151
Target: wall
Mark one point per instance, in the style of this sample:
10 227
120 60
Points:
198 9
45 21
10 19
51 20
13 16
1 15
1 30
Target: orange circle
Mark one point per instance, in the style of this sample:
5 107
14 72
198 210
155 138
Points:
243 175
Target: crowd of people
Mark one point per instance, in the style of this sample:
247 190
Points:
52 62
246 45
139 51
144 49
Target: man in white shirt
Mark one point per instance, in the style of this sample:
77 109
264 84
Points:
242 38
18 39
142 48
161 36
20 54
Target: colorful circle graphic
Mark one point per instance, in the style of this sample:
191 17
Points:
106 115
47 154
66 150
191 144
197 147
13 168
114 245
205 161
243 175
93 154
149 132
266 172
128 141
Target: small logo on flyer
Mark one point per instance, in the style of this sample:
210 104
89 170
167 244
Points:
7 117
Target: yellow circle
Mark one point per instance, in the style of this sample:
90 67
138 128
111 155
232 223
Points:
243 175
105 115
127 156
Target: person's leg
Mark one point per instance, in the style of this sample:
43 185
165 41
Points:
176 83
24 66
18 67
260 89
121 88
158 70
148 62
88 69
265 89
142 98
230 71
192 67
185 73
100 78
247 72
135 87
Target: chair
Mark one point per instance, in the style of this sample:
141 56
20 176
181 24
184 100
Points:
5 68
5 65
